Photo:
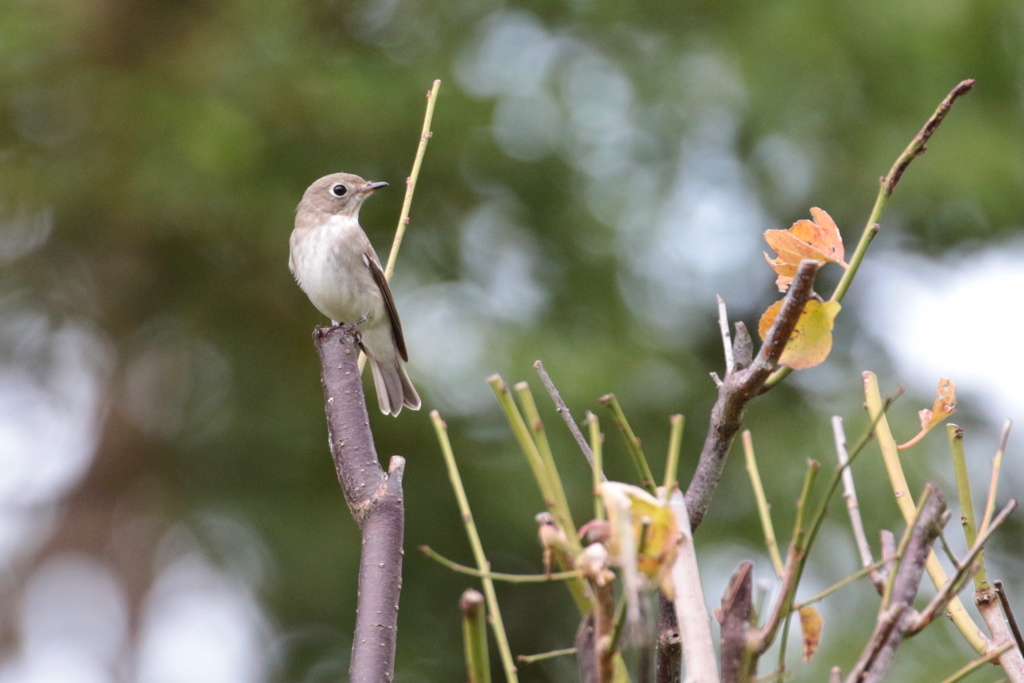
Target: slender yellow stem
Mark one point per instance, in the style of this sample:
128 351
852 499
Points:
410 188
763 509
410 185
482 563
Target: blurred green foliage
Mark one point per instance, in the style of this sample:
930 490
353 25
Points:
599 170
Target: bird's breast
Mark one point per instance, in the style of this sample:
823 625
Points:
328 263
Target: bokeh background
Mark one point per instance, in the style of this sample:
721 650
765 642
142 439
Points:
599 171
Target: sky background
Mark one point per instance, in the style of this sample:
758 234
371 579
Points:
599 171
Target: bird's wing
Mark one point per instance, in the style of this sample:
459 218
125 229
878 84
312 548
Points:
389 303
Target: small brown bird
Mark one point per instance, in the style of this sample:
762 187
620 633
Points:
335 265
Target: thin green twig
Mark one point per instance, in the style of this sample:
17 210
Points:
559 513
963 487
864 571
971 667
474 636
559 504
997 465
540 657
675 442
636 452
888 184
597 448
497 576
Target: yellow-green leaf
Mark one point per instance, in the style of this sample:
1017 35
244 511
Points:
811 341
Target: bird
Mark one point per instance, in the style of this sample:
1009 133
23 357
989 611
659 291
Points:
335 265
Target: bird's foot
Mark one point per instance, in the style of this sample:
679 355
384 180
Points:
352 328
353 325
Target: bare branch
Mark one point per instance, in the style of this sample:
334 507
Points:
737 607
852 506
966 568
737 389
723 325
1010 619
894 620
563 410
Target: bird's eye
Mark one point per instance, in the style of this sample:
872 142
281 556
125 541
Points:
339 190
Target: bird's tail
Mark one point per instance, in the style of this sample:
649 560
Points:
394 389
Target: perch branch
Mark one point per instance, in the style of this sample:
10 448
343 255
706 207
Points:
374 499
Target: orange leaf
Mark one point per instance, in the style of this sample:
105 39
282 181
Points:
811 341
942 408
811 624
816 239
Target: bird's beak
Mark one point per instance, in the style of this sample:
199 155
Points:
374 186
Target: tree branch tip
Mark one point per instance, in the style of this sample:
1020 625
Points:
396 465
520 386
606 399
1005 436
809 264
471 600
964 86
